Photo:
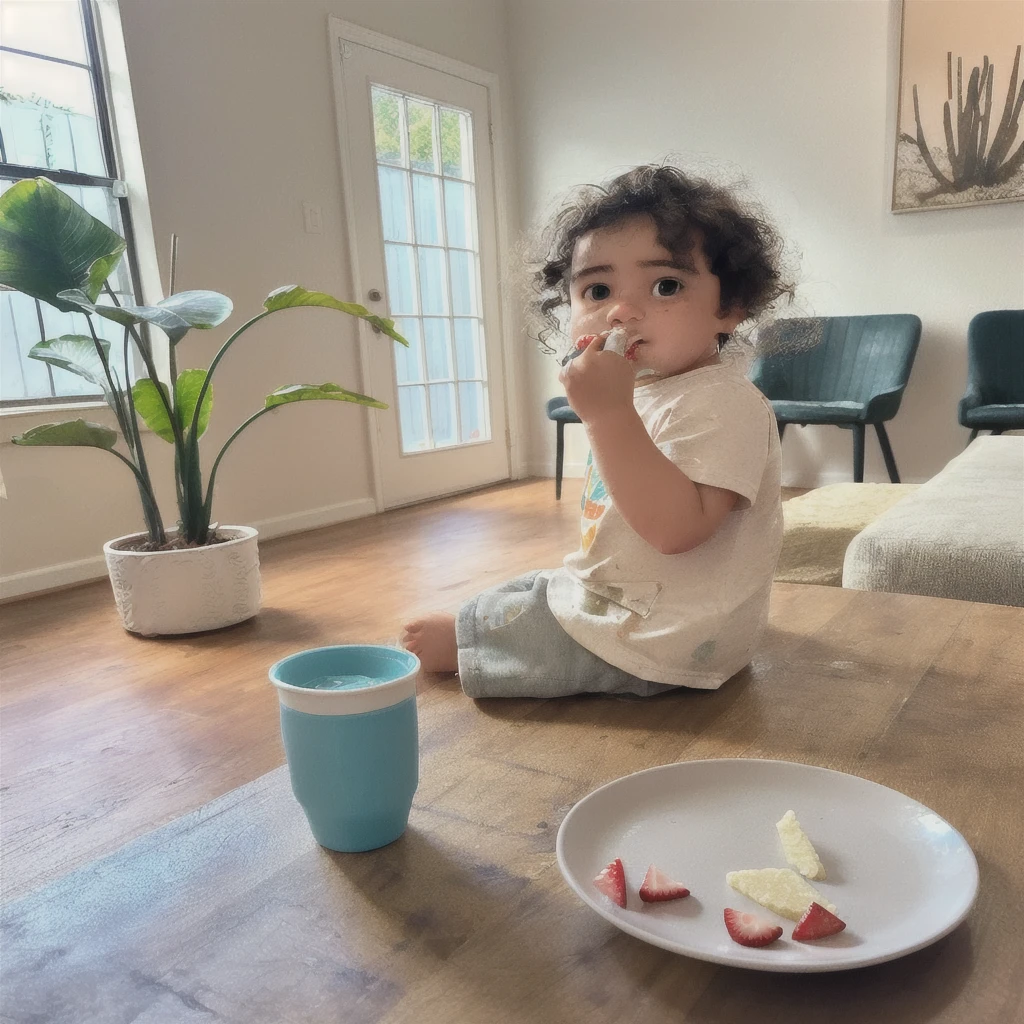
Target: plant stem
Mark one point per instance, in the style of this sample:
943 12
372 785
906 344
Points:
172 369
156 526
129 431
213 366
183 474
115 394
172 355
147 358
174 265
180 457
208 504
206 507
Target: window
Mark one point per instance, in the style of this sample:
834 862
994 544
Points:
54 121
428 213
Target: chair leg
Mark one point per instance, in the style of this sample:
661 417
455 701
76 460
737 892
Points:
559 453
890 462
782 430
995 433
974 434
858 453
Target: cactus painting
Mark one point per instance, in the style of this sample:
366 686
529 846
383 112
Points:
959 140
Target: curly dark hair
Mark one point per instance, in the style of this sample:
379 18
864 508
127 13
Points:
742 249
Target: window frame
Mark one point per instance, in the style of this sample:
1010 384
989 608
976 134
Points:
114 181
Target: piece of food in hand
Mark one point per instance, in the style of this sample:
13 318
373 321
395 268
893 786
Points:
616 341
612 882
817 923
798 849
749 929
781 890
658 887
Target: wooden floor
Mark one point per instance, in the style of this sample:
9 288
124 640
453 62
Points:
106 736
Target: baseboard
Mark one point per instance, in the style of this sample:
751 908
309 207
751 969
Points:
67 574
570 470
314 518
817 479
52 577
835 476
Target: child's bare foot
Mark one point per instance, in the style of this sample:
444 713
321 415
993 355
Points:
432 639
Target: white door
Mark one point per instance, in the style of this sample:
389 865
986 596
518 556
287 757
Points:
420 197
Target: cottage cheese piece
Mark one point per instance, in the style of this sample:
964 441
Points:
798 849
617 341
781 890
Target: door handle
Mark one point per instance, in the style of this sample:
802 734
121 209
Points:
374 295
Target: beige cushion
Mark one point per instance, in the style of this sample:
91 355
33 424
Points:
961 535
821 524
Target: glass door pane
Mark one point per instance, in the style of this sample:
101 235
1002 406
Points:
428 222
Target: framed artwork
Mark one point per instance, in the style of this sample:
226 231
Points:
958 125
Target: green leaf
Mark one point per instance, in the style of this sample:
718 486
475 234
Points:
385 326
175 315
199 308
77 354
49 244
150 407
292 295
78 297
318 392
128 315
190 383
70 433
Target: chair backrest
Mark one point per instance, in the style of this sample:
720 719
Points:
858 358
995 356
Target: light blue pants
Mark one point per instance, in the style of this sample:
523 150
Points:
510 645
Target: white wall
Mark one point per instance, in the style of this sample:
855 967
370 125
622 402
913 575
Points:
235 107
800 97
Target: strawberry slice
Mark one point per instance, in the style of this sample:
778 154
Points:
749 929
612 882
817 923
658 887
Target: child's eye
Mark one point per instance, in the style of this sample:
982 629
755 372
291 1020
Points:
597 292
667 286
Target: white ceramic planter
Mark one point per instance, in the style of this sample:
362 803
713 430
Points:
164 593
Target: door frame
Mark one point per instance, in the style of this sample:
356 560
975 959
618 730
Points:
340 32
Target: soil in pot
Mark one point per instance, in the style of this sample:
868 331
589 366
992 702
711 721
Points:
144 544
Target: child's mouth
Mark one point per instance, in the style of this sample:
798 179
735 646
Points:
631 348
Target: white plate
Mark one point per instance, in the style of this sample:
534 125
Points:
900 876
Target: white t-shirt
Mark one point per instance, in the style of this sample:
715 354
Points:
691 619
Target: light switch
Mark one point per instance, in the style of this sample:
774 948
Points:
311 219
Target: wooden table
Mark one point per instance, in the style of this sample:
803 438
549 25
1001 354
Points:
234 914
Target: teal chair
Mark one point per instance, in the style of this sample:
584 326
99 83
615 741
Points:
559 411
994 399
854 376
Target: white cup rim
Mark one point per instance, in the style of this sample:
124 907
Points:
367 698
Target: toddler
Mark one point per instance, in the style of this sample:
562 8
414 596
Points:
681 519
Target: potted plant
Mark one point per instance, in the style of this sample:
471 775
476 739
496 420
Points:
201 575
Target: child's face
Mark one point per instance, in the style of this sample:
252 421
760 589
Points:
622 275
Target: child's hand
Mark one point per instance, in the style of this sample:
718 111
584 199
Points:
598 383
